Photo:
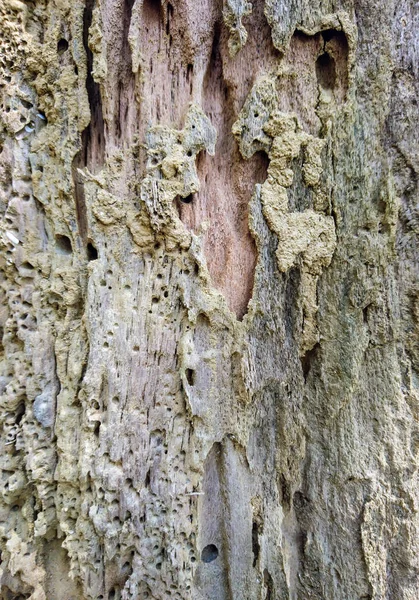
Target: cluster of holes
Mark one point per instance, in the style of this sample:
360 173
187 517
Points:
160 292
160 447
27 114
104 283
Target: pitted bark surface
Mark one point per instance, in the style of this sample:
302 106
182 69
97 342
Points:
209 366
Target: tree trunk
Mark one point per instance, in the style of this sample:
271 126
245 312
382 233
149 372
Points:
210 300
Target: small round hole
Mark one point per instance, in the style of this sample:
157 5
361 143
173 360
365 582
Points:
62 46
209 553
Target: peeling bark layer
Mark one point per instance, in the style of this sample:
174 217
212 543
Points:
209 367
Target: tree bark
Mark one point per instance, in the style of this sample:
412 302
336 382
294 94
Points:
210 300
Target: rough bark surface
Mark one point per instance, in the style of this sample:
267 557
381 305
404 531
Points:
210 300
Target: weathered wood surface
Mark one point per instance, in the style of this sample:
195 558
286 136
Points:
210 300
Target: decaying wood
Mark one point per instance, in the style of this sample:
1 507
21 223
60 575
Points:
210 301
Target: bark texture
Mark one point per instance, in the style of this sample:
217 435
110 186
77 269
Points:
210 300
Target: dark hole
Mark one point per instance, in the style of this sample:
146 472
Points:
19 413
189 152
260 164
147 479
63 244
308 359
42 116
255 543
190 376
284 488
91 134
91 252
300 541
27 265
62 46
209 553
97 428
126 567
329 34
187 200
326 71
169 15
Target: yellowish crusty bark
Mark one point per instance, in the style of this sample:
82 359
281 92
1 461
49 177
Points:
209 366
